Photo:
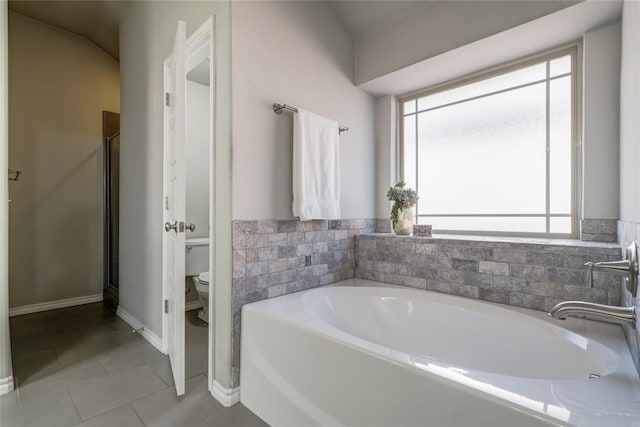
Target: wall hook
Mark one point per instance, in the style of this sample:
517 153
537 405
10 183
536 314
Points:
14 175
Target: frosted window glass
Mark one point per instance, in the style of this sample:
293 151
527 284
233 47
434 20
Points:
481 152
409 107
489 224
485 156
409 160
505 81
560 145
560 225
560 66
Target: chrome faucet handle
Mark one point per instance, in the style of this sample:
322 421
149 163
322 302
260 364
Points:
589 265
628 266
622 266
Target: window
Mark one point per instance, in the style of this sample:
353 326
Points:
495 154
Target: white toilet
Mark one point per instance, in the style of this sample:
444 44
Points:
197 267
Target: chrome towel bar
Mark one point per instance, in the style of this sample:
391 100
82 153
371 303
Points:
279 108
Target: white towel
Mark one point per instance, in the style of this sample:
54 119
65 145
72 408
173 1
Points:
316 167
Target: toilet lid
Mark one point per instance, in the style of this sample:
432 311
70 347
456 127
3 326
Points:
204 278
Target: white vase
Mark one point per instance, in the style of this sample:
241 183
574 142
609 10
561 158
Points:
406 219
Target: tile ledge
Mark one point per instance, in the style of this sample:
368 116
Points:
502 239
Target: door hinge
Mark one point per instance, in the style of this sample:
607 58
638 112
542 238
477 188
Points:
166 99
166 306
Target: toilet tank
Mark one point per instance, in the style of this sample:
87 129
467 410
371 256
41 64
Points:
196 256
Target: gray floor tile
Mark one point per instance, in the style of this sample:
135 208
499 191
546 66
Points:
167 409
95 344
38 322
29 360
236 416
8 400
129 356
97 396
196 360
196 331
196 363
59 364
90 312
43 340
55 410
123 416
162 367
112 324
58 377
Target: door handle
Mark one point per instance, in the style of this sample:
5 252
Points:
168 226
191 227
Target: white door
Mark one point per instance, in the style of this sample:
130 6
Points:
175 82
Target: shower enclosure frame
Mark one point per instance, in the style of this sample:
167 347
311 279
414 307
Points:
111 132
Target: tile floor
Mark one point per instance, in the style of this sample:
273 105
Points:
84 366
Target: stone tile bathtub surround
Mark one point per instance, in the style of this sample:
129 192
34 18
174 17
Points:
277 257
535 274
598 230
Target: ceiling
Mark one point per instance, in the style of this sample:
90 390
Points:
98 20
361 16
95 20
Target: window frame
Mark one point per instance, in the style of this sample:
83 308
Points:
575 51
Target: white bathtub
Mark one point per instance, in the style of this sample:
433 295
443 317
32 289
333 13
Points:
386 356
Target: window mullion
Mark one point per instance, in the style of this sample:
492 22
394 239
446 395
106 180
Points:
417 169
548 148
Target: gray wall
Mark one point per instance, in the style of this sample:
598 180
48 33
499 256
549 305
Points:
386 174
59 84
601 125
630 114
296 53
146 39
5 346
629 224
438 27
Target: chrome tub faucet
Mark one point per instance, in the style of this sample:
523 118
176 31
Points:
609 313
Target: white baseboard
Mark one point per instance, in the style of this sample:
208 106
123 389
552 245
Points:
52 305
153 339
6 385
193 305
226 396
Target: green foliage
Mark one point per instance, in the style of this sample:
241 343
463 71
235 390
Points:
402 198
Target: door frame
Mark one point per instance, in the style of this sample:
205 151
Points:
201 44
